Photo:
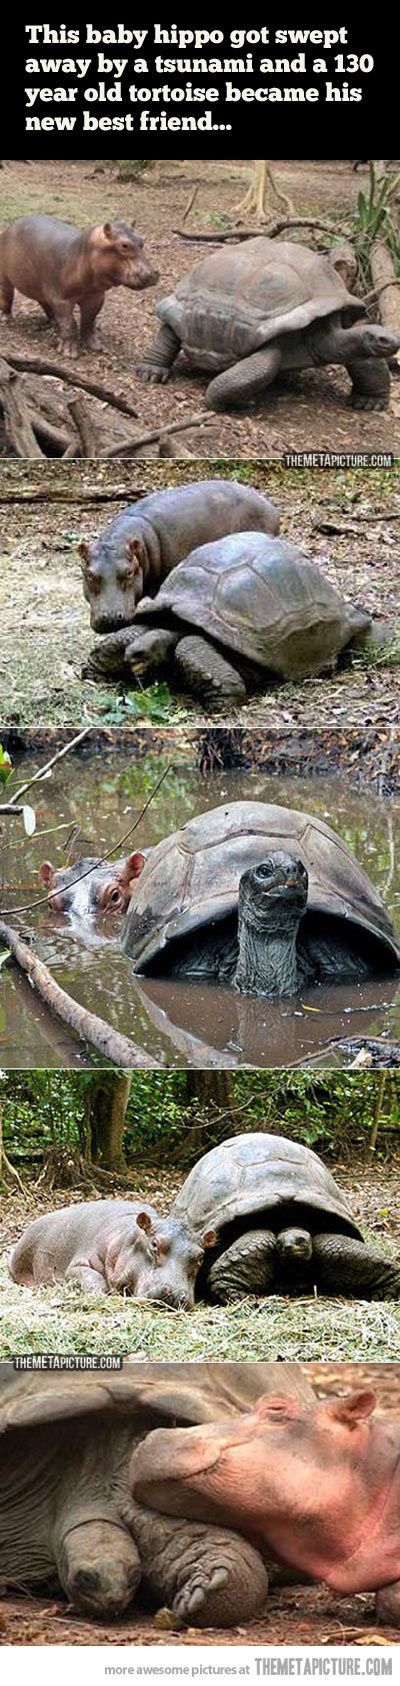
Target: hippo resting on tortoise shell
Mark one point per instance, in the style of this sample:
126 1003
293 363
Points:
232 613
281 1225
262 897
141 545
249 311
258 1214
67 1514
316 1483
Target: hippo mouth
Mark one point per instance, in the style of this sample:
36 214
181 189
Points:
112 622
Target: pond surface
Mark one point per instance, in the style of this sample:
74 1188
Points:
179 1023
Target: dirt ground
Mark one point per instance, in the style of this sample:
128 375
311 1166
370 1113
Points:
294 1615
347 522
305 411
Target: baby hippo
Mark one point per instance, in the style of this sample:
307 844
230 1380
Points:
91 888
112 1247
62 266
318 1484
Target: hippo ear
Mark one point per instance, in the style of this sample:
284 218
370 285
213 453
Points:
134 548
47 874
353 1408
84 552
108 231
132 868
278 1407
210 1238
144 1221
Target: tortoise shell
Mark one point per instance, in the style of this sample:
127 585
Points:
256 1173
259 597
192 877
241 297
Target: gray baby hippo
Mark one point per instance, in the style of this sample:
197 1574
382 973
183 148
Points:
110 1247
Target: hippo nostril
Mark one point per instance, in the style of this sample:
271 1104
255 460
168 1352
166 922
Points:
87 1580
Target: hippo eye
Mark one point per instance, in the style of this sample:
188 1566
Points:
115 898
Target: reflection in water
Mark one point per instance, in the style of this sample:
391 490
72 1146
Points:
176 1021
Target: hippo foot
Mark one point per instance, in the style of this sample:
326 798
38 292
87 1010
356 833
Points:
149 372
68 348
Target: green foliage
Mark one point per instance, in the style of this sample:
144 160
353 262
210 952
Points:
6 767
332 1112
373 221
156 704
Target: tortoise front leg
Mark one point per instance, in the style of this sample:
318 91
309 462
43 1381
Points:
208 675
107 659
247 1267
245 380
354 1268
371 384
98 1565
205 1574
158 362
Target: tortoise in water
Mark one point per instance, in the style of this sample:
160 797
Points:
282 1223
67 1513
232 613
248 311
263 897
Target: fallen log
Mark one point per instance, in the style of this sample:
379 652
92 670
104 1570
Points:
19 431
43 366
116 1049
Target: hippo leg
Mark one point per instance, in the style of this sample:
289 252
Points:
347 1266
247 379
89 313
158 362
6 297
247 1267
85 1277
371 384
98 1565
207 675
203 1573
387 1605
63 315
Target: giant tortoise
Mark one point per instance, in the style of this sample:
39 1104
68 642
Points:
282 1224
67 1515
248 311
232 613
266 898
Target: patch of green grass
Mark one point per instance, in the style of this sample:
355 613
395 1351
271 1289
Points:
381 655
63 1320
156 704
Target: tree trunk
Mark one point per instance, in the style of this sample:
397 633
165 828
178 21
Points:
209 1094
107 1097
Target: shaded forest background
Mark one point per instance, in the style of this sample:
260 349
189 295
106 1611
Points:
102 1122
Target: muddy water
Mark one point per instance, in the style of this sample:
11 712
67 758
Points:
181 1024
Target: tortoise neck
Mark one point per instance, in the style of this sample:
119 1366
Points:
268 962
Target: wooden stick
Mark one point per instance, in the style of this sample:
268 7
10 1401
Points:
67 747
85 427
117 1049
268 232
199 420
41 366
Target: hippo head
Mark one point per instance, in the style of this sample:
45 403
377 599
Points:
156 1259
319 1483
114 573
90 888
116 257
